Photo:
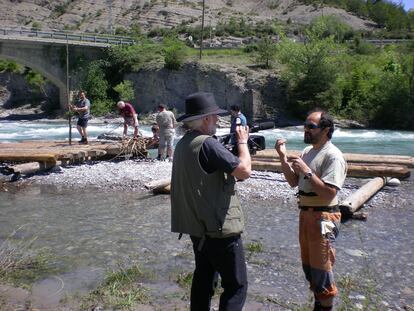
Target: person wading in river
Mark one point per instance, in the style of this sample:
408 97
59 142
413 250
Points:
319 172
204 204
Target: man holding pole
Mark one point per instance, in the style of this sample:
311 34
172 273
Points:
82 107
319 173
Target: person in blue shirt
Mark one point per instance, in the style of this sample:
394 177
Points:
237 118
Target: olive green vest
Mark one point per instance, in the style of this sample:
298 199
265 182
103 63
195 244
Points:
201 203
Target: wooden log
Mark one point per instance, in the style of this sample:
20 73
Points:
160 183
349 157
267 166
162 190
352 203
96 153
40 157
400 172
30 168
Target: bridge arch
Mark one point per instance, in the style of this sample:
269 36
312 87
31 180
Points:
53 79
48 59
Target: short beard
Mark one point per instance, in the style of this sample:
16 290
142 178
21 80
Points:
212 128
311 139
307 138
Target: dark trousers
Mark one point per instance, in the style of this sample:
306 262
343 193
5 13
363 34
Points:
226 257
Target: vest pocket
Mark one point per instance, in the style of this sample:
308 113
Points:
231 220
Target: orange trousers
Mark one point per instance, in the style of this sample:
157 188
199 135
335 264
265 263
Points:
317 252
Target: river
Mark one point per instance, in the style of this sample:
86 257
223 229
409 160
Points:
93 228
348 140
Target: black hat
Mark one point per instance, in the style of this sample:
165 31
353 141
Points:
199 105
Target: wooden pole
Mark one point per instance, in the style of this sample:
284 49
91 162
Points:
68 92
352 203
202 30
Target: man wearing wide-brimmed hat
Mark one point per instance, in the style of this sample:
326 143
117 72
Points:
204 203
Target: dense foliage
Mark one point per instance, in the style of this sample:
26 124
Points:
95 84
376 88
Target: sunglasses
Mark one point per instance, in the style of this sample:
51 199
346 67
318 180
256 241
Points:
311 126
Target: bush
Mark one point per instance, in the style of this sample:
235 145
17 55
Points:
132 58
174 52
100 107
326 26
125 90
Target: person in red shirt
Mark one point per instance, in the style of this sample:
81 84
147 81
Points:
130 117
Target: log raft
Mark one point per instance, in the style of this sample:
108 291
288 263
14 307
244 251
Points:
359 165
29 157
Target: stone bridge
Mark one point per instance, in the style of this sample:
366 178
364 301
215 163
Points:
46 53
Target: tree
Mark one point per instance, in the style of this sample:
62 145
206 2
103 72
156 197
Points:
310 73
266 52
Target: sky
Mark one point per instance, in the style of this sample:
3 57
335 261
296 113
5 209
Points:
408 4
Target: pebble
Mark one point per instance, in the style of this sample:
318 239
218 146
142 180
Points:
394 182
355 252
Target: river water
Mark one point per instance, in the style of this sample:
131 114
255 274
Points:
91 230
353 141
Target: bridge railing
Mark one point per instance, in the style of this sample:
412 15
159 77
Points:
61 35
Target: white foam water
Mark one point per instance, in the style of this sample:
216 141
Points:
348 140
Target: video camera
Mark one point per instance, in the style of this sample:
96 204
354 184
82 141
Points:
255 142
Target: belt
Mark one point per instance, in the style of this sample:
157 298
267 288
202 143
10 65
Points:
330 209
307 194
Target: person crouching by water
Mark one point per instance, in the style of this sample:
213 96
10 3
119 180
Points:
155 139
204 203
82 107
320 173
130 117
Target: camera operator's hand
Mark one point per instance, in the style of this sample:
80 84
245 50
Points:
242 134
244 169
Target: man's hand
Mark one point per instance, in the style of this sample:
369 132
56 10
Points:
289 171
280 147
299 166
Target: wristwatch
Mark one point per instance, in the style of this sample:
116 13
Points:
309 174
